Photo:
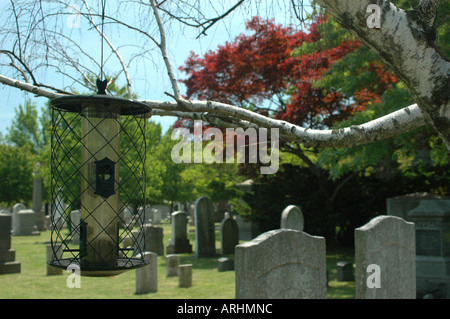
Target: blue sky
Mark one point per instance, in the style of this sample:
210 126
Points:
149 78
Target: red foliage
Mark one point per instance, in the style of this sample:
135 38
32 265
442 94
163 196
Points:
251 69
260 67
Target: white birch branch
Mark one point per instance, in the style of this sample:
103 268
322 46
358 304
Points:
226 115
404 41
399 122
163 48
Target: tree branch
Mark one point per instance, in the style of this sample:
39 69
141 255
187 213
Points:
404 43
162 47
227 115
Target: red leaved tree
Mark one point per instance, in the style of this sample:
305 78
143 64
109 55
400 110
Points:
259 71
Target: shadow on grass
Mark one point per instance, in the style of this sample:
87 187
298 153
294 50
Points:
203 262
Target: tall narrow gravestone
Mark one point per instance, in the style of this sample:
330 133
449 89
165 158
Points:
229 235
385 259
16 209
147 276
178 242
75 218
281 264
8 265
205 240
37 202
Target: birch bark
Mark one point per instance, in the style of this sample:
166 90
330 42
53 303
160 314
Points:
405 42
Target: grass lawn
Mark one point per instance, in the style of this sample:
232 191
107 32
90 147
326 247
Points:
208 283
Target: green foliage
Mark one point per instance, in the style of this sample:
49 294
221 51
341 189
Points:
172 181
24 128
16 173
360 199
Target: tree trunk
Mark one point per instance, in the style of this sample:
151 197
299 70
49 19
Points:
405 41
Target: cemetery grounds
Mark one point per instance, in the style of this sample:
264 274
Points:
208 282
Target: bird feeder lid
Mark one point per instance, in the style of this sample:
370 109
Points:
75 104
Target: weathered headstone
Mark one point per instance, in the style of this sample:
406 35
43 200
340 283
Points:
178 242
153 236
58 208
145 214
229 235
345 271
75 217
164 210
138 241
147 276
16 209
205 241
156 216
432 220
225 264
5 231
292 218
37 203
127 215
8 265
245 228
172 263
25 223
385 259
400 205
281 264
185 276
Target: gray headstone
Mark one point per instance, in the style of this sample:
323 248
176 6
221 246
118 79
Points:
245 229
172 263
5 231
25 223
225 264
345 271
145 214
385 259
153 236
138 241
8 265
164 210
281 264
400 205
185 276
178 242
127 215
432 221
229 235
292 218
75 217
156 216
205 240
58 210
147 276
16 209
37 203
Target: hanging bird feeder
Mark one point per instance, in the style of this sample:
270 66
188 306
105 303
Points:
98 152
98 166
